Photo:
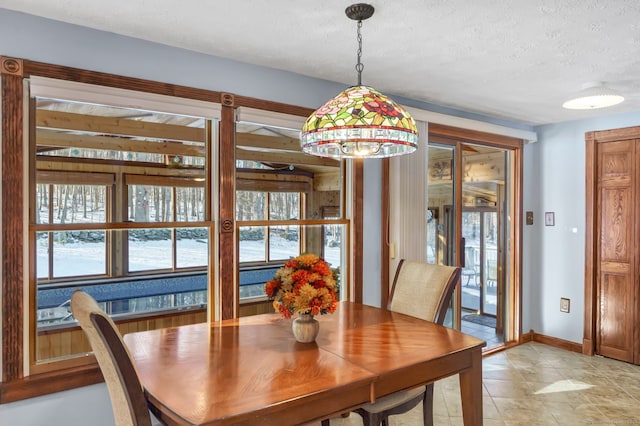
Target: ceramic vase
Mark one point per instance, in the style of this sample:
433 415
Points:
305 328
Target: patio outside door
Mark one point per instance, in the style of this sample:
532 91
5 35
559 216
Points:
480 271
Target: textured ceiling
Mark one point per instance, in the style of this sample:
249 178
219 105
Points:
517 59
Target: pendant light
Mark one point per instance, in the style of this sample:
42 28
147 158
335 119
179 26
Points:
359 122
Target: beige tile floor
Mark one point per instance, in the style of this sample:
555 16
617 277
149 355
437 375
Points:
536 384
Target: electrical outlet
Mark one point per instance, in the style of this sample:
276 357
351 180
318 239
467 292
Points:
565 304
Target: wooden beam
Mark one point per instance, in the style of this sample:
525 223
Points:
105 166
117 126
488 167
327 181
285 177
12 308
53 138
285 158
279 143
227 303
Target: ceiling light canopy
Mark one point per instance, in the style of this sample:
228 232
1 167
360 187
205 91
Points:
594 95
360 121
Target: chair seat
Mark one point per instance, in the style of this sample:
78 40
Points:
393 400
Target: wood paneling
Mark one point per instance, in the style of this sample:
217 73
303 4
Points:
616 316
50 138
256 308
616 222
117 126
65 342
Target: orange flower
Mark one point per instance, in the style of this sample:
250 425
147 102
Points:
271 287
321 268
304 285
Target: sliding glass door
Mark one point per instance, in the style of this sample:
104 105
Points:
469 224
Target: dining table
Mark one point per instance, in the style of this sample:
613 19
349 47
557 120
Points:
251 370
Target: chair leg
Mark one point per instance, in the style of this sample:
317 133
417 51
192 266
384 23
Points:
369 419
427 406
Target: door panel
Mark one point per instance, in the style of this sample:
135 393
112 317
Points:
616 312
615 285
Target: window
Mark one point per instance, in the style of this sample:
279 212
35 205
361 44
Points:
268 243
73 155
287 203
121 212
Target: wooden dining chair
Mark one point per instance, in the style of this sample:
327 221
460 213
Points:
424 291
127 394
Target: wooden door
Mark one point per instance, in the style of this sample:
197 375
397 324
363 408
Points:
617 195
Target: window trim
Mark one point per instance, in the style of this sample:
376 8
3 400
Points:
17 381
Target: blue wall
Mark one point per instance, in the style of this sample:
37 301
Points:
554 255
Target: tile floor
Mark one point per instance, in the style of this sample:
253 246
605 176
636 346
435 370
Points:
536 384
488 334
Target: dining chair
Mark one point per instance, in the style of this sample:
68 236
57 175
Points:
127 394
424 291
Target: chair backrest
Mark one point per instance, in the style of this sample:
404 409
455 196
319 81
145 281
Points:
127 394
423 290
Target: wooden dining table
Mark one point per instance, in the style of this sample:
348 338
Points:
251 371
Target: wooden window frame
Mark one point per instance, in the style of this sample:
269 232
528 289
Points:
16 382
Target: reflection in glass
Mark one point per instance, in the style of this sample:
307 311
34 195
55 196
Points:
192 247
252 242
103 164
150 249
253 275
250 205
284 205
73 253
58 203
284 242
279 189
149 203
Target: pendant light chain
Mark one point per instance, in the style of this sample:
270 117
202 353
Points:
359 65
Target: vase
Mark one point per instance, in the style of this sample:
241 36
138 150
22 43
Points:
305 328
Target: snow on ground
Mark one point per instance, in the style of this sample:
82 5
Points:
85 258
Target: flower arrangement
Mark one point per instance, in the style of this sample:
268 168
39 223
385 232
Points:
304 285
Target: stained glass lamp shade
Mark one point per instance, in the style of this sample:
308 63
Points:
360 122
